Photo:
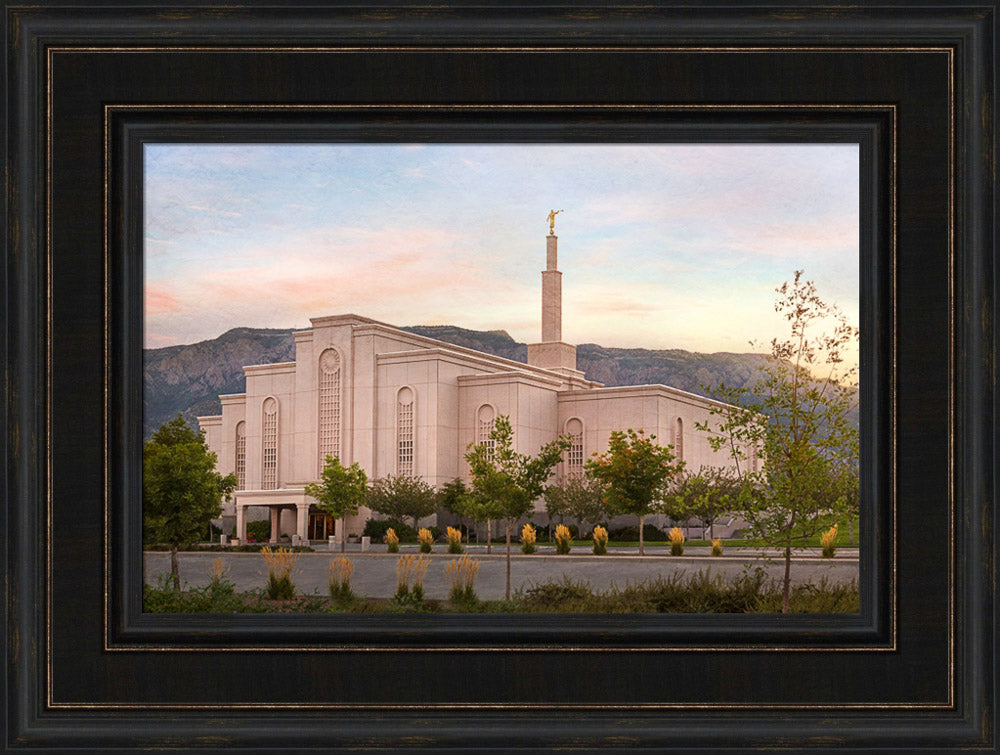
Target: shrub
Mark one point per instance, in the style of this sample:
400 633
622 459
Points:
259 530
410 573
650 533
279 572
717 547
826 540
391 541
600 540
340 571
454 540
376 529
563 537
528 539
462 573
565 596
218 596
426 538
676 541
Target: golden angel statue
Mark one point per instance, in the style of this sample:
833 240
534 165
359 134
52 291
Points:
552 221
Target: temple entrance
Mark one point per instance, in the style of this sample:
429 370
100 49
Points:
320 526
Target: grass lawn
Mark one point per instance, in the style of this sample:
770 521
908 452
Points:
843 539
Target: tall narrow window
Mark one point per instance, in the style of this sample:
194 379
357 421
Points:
484 426
241 455
329 406
404 432
574 455
269 456
754 463
679 440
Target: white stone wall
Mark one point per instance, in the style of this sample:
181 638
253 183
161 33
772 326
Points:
653 409
449 385
275 381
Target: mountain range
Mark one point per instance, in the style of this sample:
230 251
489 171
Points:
188 379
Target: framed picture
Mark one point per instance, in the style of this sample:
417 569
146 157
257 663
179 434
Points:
97 95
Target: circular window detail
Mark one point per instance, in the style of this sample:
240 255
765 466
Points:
329 361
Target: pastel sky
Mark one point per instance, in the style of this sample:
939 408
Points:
661 246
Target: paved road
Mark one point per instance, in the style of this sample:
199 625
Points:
375 572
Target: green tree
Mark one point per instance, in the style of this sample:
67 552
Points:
340 493
510 481
181 491
798 416
478 507
579 497
634 473
705 495
449 498
398 496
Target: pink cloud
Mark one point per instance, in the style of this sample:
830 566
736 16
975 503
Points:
158 301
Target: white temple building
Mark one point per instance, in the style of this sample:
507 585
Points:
403 404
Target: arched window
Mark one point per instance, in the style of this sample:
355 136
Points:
484 426
269 455
329 405
241 455
404 432
679 440
574 455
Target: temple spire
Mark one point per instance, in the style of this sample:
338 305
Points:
551 352
551 293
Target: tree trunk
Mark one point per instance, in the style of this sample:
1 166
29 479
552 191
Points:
489 535
507 589
174 570
642 519
343 536
788 579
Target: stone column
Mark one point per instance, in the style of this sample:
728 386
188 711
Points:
551 294
241 523
302 523
275 524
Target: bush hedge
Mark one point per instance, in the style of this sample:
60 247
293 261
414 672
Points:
650 532
260 529
375 529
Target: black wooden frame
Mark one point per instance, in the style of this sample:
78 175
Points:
86 669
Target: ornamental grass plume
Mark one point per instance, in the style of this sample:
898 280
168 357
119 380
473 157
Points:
528 539
219 570
219 583
462 573
826 540
600 536
717 547
426 538
676 541
391 541
410 572
563 538
454 540
340 571
279 572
